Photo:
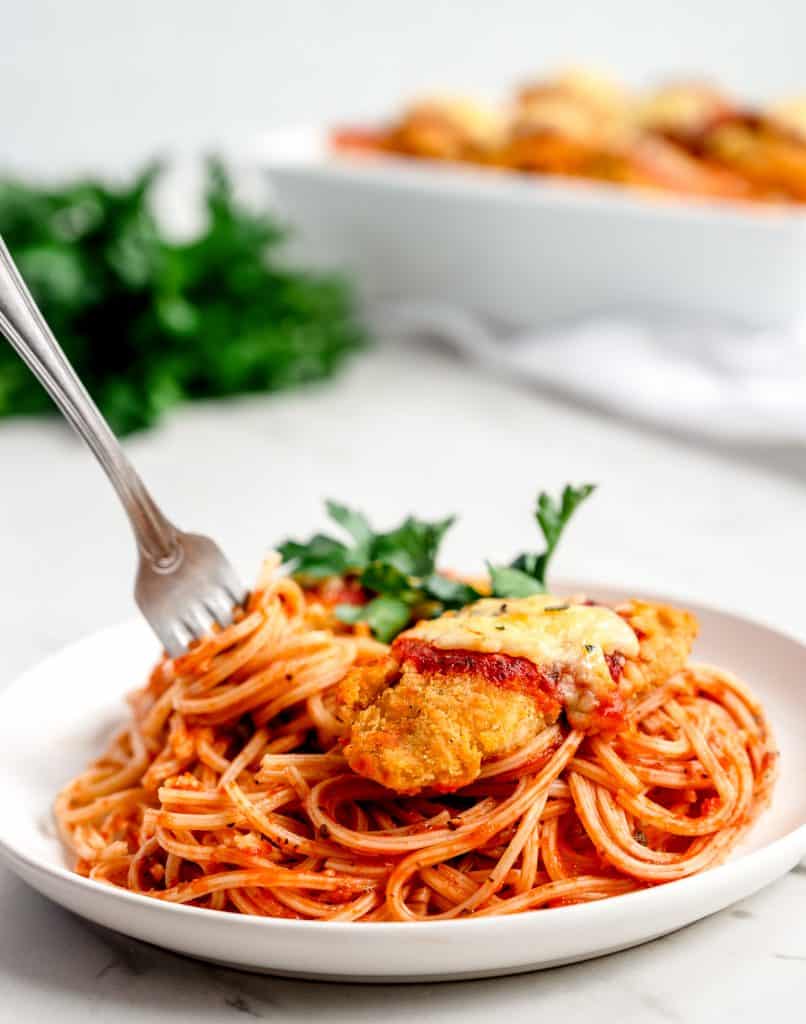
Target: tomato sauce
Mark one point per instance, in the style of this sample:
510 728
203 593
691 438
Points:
339 590
513 673
499 669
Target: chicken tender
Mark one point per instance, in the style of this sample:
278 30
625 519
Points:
477 684
435 729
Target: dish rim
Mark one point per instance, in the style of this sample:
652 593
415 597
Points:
790 845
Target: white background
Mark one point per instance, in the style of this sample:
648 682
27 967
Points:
100 83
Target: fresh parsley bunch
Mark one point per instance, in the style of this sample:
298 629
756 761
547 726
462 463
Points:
398 570
148 322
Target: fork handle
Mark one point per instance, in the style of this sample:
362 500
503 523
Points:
25 328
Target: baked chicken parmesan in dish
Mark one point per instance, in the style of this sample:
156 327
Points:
684 138
377 739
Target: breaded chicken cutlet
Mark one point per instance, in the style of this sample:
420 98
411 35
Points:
476 684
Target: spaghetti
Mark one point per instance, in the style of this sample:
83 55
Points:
228 789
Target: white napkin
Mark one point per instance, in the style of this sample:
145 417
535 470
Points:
725 383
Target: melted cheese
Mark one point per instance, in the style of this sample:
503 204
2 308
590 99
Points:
543 629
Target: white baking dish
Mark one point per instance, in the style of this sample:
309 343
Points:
525 250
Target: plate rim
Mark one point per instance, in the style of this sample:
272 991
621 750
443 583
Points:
790 846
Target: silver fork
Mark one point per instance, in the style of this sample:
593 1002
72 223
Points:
184 583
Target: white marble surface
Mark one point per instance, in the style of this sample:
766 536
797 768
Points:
405 428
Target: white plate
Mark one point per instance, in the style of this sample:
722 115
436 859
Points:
58 716
532 251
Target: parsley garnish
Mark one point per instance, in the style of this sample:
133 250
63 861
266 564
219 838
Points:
526 575
398 569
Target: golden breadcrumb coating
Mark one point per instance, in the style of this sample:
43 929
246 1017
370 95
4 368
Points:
433 730
665 638
431 722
